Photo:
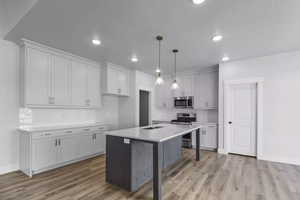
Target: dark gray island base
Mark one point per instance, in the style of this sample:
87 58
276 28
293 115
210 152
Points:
128 154
130 166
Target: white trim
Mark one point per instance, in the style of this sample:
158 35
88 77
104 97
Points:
8 168
259 81
222 151
138 104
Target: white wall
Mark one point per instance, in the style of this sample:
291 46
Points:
9 109
281 108
127 105
2 18
9 106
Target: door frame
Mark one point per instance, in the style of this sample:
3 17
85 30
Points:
137 119
259 111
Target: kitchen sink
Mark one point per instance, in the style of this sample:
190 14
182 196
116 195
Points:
153 127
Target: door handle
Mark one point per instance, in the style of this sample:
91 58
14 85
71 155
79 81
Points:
229 122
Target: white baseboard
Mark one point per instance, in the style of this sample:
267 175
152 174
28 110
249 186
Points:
8 168
293 161
222 151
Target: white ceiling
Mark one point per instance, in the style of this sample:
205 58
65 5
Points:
250 28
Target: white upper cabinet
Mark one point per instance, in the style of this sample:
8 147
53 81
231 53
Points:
60 80
93 86
116 80
52 78
37 77
206 90
79 84
186 86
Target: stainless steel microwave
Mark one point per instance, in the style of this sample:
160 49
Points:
184 102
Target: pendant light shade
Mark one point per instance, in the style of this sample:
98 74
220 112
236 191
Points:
159 79
175 84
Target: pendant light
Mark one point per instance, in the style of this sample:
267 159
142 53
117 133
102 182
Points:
159 79
175 84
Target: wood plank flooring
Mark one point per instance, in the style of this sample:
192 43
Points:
215 177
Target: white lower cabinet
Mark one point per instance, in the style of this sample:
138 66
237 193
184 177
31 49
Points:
68 149
208 138
100 142
41 151
44 153
86 144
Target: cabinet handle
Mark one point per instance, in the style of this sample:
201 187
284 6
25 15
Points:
58 142
101 128
55 142
87 129
95 136
47 134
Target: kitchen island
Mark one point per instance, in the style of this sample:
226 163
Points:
131 151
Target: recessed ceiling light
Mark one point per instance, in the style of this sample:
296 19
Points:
134 59
217 38
96 42
225 58
197 2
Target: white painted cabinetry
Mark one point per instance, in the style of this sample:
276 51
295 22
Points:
186 86
37 77
206 90
208 138
115 80
52 78
44 150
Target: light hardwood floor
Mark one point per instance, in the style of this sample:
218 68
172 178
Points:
215 177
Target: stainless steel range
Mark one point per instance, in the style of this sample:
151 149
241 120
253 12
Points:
186 119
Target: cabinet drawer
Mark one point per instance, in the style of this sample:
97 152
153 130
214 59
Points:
44 134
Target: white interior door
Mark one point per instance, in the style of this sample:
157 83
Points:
241 118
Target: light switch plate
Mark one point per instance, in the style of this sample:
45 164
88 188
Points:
126 141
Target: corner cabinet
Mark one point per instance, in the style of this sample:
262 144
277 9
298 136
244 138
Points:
115 80
52 78
44 150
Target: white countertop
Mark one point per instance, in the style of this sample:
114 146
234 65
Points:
168 131
38 128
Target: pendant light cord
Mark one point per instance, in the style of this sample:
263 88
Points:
175 67
159 56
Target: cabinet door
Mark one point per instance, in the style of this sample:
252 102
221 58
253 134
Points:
37 78
68 148
86 145
112 81
79 84
100 143
44 153
123 81
212 89
94 97
211 137
188 84
60 79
